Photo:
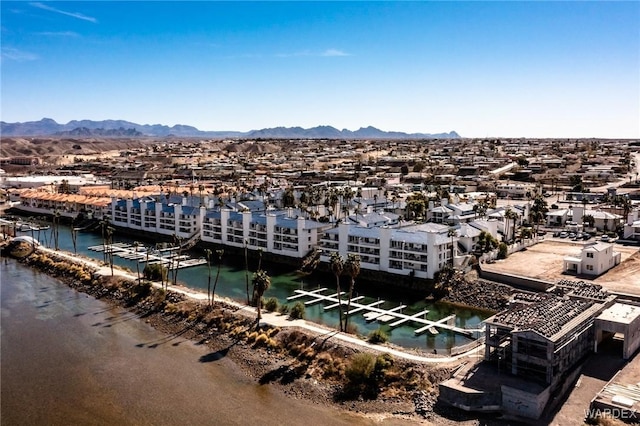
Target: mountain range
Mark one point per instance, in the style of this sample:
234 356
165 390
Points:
122 128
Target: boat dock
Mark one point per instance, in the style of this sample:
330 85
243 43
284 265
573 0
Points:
167 257
372 312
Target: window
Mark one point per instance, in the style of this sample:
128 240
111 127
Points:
589 267
590 255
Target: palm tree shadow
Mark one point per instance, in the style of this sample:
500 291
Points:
285 373
167 338
218 355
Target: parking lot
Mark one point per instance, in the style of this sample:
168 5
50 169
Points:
544 261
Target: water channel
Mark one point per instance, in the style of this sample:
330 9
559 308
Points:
69 359
285 281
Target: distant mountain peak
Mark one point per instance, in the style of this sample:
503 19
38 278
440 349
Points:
117 128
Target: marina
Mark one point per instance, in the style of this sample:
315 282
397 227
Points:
373 312
284 283
168 257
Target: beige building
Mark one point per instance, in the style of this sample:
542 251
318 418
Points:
619 319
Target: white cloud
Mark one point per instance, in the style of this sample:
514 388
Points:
62 12
334 52
58 34
326 53
17 55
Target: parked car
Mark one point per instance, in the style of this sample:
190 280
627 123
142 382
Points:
563 235
604 238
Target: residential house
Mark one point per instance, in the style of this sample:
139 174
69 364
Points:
595 259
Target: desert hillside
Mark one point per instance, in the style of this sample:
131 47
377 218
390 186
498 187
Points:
51 147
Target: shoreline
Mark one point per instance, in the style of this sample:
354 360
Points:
275 319
301 374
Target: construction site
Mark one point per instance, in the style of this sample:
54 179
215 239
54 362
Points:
534 349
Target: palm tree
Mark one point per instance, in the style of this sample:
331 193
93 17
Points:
260 258
207 252
220 253
104 224
261 283
538 210
74 235
136 244
625 202
246 270
352 269
510 215
201 190
32 229
337 266
451 233
56 228
178 241
589 220
109 232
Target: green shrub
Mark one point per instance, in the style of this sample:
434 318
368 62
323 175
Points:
271 304
141 289
283 309
297 311
352 329
155 272
378 336
502 251
361 368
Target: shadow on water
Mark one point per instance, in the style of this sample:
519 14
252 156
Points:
113 320
167 339
101 311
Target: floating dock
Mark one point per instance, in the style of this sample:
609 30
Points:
168 257
372 312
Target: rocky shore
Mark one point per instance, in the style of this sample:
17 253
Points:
480 294
301 364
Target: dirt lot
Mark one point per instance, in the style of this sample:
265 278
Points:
545 261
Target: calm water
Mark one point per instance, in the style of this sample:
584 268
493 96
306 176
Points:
284 281
68 359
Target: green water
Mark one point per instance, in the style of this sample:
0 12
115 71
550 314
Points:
284 280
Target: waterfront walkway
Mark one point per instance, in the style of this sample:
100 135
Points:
275 319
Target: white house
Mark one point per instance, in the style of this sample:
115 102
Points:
632 227
595 259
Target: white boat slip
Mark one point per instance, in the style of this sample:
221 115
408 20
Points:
383 315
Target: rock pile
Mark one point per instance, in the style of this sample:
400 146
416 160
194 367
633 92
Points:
479 293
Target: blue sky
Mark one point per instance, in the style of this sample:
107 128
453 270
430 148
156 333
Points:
511 69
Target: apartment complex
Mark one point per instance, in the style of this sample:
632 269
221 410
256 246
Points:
419 250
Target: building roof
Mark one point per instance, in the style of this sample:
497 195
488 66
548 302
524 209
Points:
468 231
550 317
374 218
620 313
599 246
